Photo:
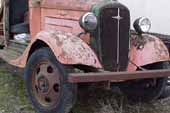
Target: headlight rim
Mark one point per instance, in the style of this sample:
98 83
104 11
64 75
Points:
138 25
83 23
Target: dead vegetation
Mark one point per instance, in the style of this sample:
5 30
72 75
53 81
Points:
102 101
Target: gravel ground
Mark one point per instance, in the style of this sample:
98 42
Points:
13 98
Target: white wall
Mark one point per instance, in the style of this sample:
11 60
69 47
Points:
158 11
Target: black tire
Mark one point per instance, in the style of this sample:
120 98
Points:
165 93
67 91
147 89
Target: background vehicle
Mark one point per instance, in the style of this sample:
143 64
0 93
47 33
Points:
61 44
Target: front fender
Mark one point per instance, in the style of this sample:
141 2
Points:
145 50
67 48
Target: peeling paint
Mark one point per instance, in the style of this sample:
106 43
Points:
147 49
68 49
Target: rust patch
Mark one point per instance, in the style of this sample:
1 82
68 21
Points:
161 49
140 41
68 49
146 50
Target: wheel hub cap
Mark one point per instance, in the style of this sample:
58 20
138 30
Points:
43 84
46 84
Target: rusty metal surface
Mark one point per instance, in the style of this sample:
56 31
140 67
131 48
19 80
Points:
116 76
55 18
84 5
70 49
62 20
67 48
145 50
34 19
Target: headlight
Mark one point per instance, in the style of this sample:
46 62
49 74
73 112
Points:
142 25
88 21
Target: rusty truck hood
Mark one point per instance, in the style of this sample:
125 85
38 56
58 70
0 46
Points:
83 5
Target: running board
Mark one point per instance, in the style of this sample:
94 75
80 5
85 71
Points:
116 76
12 51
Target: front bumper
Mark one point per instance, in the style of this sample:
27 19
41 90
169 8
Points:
116 76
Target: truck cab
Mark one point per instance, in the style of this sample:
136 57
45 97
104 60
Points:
61 44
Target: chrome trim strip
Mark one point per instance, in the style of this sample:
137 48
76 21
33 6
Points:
118 18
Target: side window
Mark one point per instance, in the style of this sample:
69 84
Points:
18 8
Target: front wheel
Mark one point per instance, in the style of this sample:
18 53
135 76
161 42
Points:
46 84
146 89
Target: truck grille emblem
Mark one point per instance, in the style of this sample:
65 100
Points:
118 17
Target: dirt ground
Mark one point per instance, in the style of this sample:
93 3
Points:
13 98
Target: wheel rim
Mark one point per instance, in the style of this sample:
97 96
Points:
46 86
